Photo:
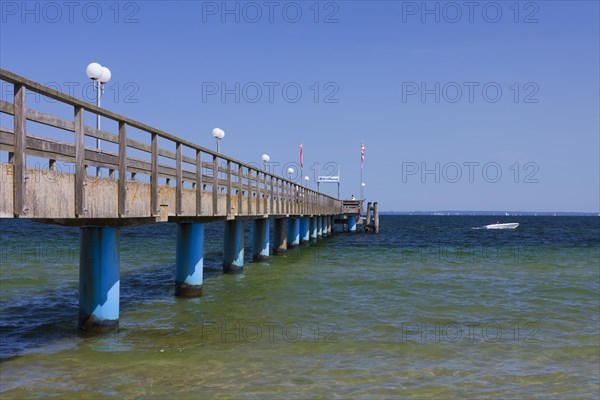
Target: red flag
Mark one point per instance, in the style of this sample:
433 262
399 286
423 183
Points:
301 158
362 154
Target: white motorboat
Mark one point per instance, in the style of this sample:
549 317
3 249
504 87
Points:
497 225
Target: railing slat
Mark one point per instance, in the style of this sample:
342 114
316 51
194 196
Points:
122 169
215 186
240 190
79 163
154 177
199 183
272 194
179 186
20 149
229 193
278 194
6 107
250 192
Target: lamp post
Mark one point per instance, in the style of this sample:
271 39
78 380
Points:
290 171
306 179
218 134
265 158
99 76
362 190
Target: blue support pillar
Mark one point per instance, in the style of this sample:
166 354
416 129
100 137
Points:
99 278
352 223
313 228
330 224
280 236
326 225
304 230
261 239
233 247
297 232
189 262
319 226
293 232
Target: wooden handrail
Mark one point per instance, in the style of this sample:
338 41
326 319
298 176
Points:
64 98
243 179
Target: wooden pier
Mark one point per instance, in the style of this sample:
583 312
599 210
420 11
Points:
160 179
352 216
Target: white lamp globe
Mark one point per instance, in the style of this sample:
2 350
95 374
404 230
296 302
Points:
105 76
94 71
306 178
290 170
218 133
266 158
364 184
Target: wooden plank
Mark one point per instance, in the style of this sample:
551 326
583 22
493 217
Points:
215 185
272 194
288 207
50 120
122 169
7 136
199 182
102 135
240 189
265 195
290 199
50 147
79 163
179 185
278 194
154 176
6 107
286 204
20 149
250 193
229 193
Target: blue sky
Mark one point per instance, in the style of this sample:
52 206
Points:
509 119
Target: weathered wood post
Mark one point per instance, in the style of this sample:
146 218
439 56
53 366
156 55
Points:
18 158
376 218
368 222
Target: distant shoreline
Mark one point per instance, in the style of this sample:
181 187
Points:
495 213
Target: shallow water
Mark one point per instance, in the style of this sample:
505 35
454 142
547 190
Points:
429 308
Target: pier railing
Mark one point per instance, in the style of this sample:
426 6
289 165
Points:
352 207
206 183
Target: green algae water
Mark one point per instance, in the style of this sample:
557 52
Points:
429 308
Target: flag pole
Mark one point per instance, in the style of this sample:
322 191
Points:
362 162
339 179
301 162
